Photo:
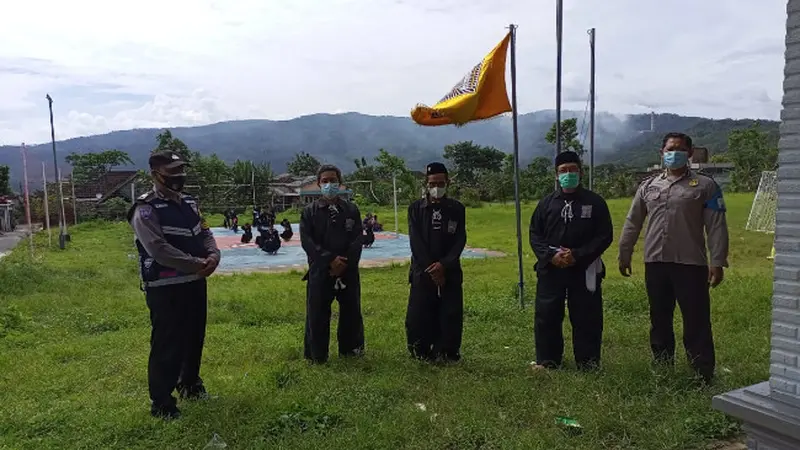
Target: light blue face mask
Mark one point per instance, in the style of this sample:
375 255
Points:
675 159
330 190
569 180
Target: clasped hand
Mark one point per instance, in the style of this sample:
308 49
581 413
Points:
338 266
209 266
436 271
563 258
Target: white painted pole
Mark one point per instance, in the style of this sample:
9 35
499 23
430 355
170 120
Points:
27 198
394 191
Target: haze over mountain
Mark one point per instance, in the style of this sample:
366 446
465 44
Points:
341 138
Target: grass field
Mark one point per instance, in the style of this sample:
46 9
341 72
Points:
74 336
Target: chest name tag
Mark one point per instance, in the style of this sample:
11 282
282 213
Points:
348 224
160 205
586 212
451 226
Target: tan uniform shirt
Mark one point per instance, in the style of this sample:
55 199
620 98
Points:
148 232
681 210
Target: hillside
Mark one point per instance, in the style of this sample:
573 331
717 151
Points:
341 138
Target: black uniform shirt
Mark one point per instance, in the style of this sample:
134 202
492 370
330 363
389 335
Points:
579 221
331 229
437 233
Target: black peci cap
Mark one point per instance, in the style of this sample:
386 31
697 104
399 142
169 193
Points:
434 168
568 157
167 160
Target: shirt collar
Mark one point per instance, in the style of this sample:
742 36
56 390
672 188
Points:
426 202
167 195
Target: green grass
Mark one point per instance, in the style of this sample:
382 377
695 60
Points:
74 336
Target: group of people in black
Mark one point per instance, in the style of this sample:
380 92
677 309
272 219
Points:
268 239
569 231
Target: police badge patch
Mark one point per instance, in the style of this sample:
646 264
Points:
586 212
348 224
451 226
145 212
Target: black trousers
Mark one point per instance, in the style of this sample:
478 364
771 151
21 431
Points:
320 293
434 324
688 284
178 319
585 315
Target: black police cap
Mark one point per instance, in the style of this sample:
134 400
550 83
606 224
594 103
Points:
166 160
434 168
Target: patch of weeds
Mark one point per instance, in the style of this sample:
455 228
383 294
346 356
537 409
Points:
712 426
11 319
302 420
286 377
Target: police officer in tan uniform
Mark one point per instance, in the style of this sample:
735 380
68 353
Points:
684 207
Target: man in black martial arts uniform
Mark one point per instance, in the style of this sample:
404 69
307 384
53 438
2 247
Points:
570 229
436 230
330 233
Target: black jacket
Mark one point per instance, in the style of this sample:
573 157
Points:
455 234
323 238
588 233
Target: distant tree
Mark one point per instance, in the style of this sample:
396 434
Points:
569 136
751 152
246 173
166 142
88 167
5 180
471 160
210 170
303 164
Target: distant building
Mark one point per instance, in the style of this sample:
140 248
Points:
116 183
290 191
6 214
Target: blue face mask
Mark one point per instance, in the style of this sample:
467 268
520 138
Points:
569 180
330 190
675 159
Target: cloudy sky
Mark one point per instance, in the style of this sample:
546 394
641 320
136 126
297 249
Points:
154 63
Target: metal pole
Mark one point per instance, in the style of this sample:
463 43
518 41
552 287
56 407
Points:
63 211
133 193
253 181
62 220
74 201
394 192
46 207
591 112
559 29
27 198
521 285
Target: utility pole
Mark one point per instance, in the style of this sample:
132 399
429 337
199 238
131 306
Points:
63 237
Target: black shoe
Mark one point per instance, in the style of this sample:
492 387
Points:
165 412
194 392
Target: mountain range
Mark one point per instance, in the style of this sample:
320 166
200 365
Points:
341 138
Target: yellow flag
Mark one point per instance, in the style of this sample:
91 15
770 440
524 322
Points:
480 95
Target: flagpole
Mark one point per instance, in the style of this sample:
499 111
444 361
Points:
559 29
521 284
27 197
46 208
591 111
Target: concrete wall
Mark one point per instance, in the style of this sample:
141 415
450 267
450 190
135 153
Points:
785 356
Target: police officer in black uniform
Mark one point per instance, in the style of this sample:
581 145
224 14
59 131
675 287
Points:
437 232
570 229
330 233
176 253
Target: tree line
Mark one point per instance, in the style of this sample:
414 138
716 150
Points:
478 173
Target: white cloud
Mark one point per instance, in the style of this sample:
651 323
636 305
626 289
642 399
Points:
150 63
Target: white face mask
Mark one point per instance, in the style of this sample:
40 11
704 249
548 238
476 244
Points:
437 192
